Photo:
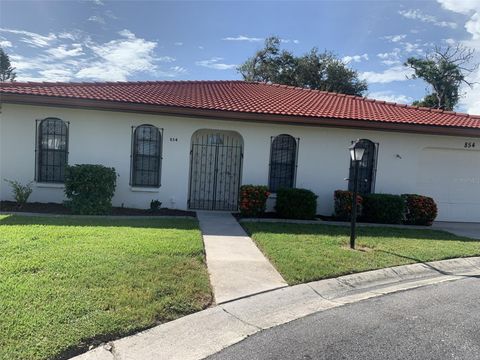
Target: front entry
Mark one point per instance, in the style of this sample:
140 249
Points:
215 170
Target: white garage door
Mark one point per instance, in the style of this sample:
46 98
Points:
452 178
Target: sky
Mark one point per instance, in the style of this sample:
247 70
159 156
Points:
101 40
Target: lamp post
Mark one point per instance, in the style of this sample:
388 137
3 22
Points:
357 150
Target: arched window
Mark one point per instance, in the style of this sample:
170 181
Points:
52 150
146 156
283 162
366 169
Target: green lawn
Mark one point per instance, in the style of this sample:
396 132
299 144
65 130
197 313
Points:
305 253
65 281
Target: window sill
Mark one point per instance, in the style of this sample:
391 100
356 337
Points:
144 189
50 185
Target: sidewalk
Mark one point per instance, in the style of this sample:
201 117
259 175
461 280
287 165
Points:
236 266
199 335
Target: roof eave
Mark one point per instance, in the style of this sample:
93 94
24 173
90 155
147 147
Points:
236 115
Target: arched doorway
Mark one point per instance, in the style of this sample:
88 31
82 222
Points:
215 170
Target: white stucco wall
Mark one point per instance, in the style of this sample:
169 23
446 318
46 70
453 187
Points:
104 137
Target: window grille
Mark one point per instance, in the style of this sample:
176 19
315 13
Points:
283 162
51 150
366 169
146 156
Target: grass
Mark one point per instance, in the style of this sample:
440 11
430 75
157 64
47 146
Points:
304 252
66 283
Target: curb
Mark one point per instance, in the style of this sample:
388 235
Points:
205 333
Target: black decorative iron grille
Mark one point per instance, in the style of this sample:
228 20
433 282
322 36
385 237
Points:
51 150
366 168
215 170
283 162
146 156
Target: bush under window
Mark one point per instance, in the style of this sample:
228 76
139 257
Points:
296 204
343 204
419 210
253 200
383 208
90 188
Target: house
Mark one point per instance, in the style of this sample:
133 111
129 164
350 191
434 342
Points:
192 144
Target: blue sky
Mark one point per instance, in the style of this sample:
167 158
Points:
160 40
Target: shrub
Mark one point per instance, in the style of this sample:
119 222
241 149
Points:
155 205
90 188
343 204
253 200
296 204
383 208
20 192
419 210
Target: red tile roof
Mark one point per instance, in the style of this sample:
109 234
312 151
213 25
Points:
247 97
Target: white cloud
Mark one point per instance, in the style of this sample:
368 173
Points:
115 60
98 19
5 43
214 63
178 43
118 59
390 96
413 47
165 59
62 51
354 58
33 39
67 35
390 58
98 2
126 33
416 14
395 38
242 38
394 73
460 6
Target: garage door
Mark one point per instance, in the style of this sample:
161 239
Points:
452 178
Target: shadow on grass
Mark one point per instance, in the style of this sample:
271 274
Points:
155 223
417 260
336 230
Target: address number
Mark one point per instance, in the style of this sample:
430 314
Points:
173 139
469 145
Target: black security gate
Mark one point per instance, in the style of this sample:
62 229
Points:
215 170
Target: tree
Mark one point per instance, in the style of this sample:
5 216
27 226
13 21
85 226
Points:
445 70
6 70
314 70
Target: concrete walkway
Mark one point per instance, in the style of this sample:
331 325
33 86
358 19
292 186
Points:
237 267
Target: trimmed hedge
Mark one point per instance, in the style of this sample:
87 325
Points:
90 188
296 204
253 200
343 204
419 210
383 208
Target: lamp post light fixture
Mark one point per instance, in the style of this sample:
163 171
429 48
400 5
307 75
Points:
357 149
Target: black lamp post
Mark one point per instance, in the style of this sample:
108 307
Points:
357 150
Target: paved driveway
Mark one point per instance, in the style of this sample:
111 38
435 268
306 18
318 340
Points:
436 322
471 230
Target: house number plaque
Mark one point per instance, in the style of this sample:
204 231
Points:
173 139
469 145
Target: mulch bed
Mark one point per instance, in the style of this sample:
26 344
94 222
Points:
60 209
